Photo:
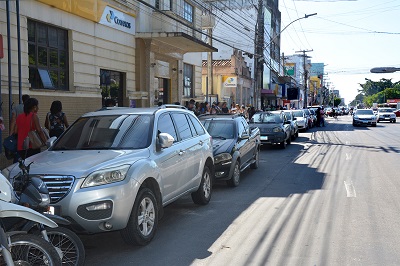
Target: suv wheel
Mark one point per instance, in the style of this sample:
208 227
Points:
203 194
256 160
235 179
143 222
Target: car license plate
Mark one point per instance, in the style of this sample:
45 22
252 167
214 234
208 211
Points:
264 137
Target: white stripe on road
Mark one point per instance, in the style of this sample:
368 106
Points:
351 192
348 156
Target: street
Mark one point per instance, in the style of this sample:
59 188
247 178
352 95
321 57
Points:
330 198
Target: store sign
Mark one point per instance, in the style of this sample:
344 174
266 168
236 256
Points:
118 20
230 82
289 69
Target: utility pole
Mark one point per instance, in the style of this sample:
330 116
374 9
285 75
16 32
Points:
259 55
305 75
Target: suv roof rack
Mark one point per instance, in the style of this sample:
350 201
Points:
172 106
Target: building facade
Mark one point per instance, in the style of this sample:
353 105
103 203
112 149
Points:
232 81
83 52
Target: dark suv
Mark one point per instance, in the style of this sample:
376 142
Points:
236 146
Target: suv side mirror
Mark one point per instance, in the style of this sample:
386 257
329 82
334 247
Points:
50 141
165 140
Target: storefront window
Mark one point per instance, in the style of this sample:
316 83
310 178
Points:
111 84
187 80
47 52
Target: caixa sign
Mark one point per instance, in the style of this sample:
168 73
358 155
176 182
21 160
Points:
118 20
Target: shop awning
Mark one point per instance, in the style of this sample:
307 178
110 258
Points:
179 40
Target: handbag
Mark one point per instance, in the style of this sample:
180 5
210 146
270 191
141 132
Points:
34 139
10 146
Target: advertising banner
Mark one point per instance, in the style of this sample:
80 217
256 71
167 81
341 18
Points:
229 82
118 20
289 69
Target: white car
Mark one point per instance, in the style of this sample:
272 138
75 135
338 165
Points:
386 114
364 117
301 118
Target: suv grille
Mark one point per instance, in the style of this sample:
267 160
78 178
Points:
58 186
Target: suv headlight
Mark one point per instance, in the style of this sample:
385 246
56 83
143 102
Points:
277 129
106 176
223 157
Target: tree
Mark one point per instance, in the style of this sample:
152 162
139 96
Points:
336 101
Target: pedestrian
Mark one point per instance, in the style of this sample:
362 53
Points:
224 108
318 113
16 111
56 120
322 116
26 122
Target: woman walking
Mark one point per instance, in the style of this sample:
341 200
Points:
26 122
56 120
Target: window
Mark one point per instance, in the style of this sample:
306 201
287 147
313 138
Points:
48 56
182 125
187 11
188 80
197 126
165 125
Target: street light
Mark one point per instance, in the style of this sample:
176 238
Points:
305 16
384 69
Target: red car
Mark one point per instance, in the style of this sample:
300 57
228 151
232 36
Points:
397 112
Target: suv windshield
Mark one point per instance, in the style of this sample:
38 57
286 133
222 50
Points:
266 118
220 128
107 132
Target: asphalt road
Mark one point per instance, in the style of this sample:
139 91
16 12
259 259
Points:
330 198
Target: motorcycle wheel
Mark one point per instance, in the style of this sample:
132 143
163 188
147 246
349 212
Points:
28 249
69 244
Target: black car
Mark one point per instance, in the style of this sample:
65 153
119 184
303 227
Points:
274 126
236 146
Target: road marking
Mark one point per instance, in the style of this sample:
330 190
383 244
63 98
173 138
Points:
351 192
348 156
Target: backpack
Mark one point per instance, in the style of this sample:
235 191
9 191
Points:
56 122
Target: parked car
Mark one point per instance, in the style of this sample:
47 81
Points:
274 127
386 114
236 146
302 120
397 113
294 128
116 169
364 117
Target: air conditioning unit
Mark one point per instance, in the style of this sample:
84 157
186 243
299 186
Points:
207 21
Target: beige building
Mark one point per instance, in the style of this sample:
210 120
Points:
232 82
82 52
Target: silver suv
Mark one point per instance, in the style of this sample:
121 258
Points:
116 169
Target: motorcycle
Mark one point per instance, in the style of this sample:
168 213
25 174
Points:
32 192
17 247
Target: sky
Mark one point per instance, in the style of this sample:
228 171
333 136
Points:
349 36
